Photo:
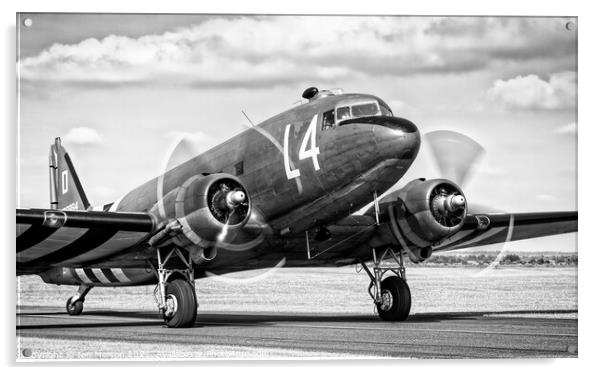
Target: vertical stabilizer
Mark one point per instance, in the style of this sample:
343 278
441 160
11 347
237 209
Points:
66 192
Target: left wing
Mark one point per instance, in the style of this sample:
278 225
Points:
48 238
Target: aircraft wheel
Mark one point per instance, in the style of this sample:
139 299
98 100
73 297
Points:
181 304
396 299
74 308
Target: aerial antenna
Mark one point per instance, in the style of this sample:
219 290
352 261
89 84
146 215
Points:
248 119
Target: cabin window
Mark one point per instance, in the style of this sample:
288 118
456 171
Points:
363 110
328 120
343 113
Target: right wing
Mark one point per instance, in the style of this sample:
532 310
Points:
47 238
486 229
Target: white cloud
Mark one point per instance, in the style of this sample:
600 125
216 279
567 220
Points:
82 136
570 128
532 92
265 51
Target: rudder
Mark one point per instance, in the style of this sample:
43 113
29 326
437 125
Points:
66 191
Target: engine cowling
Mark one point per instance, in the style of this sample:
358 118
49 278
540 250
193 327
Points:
426 212
202 208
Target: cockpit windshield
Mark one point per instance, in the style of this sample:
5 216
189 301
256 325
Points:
343 113
348 110
363 110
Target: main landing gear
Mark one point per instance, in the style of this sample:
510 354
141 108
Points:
391 295
75 304
175 294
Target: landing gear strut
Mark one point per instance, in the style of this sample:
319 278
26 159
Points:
392 295
175 294
75 304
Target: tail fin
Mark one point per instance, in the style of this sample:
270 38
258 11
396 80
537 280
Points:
66 192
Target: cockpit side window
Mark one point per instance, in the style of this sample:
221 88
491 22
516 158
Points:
328 120
343 113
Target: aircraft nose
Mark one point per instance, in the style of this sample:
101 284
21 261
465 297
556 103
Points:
396 138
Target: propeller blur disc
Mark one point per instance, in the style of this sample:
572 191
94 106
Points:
455 154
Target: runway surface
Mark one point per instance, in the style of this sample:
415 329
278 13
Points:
532 333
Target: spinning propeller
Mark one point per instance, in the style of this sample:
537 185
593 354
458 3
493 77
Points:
228 202
456 155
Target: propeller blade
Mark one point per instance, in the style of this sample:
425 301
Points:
185 150
455 154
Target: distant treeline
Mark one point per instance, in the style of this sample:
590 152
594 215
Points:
485 259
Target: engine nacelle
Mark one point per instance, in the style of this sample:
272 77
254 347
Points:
204 207
426 212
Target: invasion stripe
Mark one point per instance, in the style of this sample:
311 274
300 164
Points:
21 228
109 275
455 238
89 241
120 275
33 236
82 275
91 275
464 239
113 207
74 274
61 238
483 236
100 276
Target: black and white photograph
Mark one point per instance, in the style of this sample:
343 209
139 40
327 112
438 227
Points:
291 186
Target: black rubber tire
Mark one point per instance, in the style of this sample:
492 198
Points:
74 308
402 299
185 296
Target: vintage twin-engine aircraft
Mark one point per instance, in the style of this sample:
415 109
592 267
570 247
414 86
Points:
286 188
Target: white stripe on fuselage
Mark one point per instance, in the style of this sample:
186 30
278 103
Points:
118 272
113 207
100 276
82 275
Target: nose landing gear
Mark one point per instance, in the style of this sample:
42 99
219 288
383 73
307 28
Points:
392 295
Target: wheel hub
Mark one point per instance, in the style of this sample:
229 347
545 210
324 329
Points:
386 300
171 305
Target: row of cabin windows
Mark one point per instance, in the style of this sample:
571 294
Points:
359 110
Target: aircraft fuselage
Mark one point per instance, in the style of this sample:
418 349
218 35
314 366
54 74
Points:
346 164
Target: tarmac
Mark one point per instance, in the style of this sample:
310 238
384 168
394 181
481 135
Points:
476 334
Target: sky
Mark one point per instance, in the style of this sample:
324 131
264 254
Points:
121 89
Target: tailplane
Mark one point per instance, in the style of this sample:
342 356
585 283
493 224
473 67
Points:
66 192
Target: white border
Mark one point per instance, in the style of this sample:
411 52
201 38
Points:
589 168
